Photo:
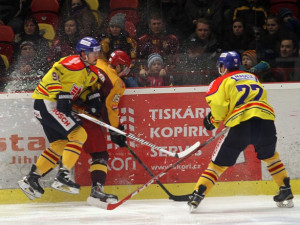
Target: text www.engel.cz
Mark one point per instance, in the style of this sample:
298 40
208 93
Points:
178 167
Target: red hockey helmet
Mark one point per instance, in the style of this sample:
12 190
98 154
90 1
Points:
120 58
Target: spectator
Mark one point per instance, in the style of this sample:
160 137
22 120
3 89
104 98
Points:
155 74
31 33
80 10
290 22
250 64
117 38
200 53
26 71
237 39
66 40
285 64
158 41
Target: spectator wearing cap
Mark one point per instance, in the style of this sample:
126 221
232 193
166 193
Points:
117 38
250 64
200 52
154 74
26 71
289 21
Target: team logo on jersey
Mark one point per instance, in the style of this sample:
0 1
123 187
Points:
75 91
101 77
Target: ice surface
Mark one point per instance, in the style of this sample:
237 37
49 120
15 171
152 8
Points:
242 210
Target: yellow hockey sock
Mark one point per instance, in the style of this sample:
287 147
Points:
210 176
49 158
276 169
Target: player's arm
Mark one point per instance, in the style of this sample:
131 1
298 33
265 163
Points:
112 102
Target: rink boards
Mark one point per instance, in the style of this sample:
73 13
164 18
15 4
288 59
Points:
168 117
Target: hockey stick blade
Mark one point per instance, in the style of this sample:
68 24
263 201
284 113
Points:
111 206
171 196
131 136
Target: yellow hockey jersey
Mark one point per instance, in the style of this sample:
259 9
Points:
111 88
69 74
236 97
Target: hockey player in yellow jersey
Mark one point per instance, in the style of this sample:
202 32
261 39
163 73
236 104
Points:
66 81
111 89
238 100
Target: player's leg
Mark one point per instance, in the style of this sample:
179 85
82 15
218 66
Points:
96 146
225 155
265 149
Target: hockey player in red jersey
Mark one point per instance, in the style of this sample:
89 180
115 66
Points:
238 100
111 88
67 81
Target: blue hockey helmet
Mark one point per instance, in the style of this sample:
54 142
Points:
87 44
231 60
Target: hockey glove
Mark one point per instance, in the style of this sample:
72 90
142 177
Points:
64 103
207 122
117 138
93 101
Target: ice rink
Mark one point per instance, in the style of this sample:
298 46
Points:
243 210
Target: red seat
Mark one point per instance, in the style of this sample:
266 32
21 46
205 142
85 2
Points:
7 33
45 5
47 17
129 8
292 5
117 4
130 28
6 42
7 49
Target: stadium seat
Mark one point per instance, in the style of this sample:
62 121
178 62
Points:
44 6
130 28
7 49
5 60
47 31
47 17
293 5
7 34
6 42
129 8
93 4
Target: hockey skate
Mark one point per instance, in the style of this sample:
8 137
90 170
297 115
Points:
284 198
63 182
98 196
30 184
197 197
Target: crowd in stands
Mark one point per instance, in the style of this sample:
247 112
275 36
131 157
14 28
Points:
170 42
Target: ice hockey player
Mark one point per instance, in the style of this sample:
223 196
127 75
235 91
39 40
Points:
66 81
111 88
237 99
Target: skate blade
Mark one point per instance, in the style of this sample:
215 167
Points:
29 191
192 208
285 204
64 188
96 203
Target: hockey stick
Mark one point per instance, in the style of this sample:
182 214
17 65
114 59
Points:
171 196
111 206
131 136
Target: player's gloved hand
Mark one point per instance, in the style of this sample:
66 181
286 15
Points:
64 102
117 138
207 122
93 101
